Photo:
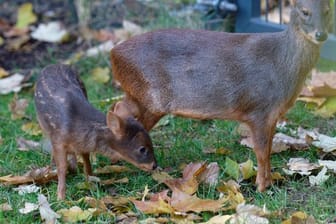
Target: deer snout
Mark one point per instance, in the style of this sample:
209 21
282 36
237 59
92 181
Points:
321 36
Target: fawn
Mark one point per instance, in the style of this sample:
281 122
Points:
75 127
252 78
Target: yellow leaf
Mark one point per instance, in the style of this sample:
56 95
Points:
298 218
315 100
25 16
247 169
158 204
328 109
3 72
31 128
101 75
75 214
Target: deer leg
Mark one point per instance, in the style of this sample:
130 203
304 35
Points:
262 137
87 164
60 157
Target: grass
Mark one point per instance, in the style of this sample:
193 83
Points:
179 142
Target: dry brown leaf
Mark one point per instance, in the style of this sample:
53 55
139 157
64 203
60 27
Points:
218 219
47 214
124 180
129 30
4 207
26 145
1 140
18 107
159 203
16 32
15 44
104 35
249 214
112 169
301 166
184 202
210 174
190 179
95 203
323 84
14 180
76 214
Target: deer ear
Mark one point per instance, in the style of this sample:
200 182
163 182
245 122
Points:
115 124
122 109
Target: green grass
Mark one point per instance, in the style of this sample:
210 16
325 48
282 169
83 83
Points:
179 142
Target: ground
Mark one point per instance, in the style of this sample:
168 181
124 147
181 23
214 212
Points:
179 142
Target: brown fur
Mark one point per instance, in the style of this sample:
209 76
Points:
75 127
252 78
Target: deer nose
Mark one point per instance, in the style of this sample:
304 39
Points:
321 36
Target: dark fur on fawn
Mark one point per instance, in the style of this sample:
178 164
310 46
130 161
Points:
75 127
252 78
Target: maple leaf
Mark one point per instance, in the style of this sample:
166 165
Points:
184 202
159 203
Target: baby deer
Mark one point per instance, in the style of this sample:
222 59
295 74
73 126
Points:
75 127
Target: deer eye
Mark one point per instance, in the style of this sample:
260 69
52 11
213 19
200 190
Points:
142 150
305 12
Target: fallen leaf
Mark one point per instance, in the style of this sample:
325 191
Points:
231 168
15 44
28 208
104 35
326 143
112 169
26 145
301 165
3 72
184 202
161 177
218 219
42 175
31 128
52 32
159 203
277 176
101 75
11 84
46 213
14 180
1 140
328 109
323 84
300 218
16 32
95 203
129 30
18 107
124 180
190 179
25 16
210 174
282 142
247 169
330 164
4 207
249 214
100 49
320 178
231 191
319 101
75 214
27 189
